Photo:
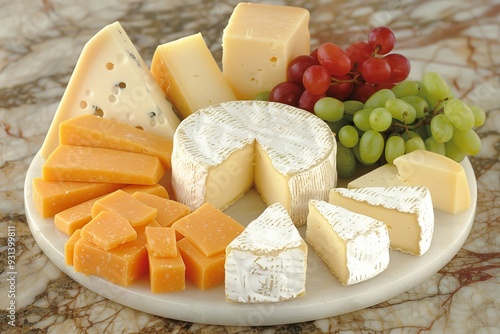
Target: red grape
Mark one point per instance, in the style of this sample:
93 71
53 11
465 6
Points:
362 92
297 66
358 52
334 59
340 88
375 70
381 40
316 79
400 67
308 100
286 92
314 53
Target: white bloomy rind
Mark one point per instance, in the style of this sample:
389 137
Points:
267 262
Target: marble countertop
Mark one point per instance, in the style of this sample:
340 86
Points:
40 42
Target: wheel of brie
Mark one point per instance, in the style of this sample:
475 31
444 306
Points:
286 153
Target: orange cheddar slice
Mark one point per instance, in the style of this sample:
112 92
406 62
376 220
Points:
94 131
71 219
161 241
209 229
121 265
51 197
69 247
136 212
168 211
203 271
166 274
94 164
108 230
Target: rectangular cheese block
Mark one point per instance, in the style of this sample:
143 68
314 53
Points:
161 241
112 80
136 212
91 164
95 131
166 274
75 217
258 43
189 75
209 229
444 177
121 265
168 211
108 230
69 247
203 271
354 246
383 176
407 212
51 197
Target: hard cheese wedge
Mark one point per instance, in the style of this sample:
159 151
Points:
168 211
258 43
268 261
444 177
108 230
95 131
161 241
69 247
407 212
189 75
91 164
383 176
355 247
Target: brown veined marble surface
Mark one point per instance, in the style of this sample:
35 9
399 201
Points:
40 42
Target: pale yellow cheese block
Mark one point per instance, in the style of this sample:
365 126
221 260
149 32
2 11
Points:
189 75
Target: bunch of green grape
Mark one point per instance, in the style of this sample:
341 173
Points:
412 115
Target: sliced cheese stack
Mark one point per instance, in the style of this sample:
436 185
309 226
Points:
268 261
355 247
407 212
111 80
221 151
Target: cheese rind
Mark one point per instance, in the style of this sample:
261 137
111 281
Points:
111 80
258 43
268 261
445 179
355 247
189 75
407 212
287 153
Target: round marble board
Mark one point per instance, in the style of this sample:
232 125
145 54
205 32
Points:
324 297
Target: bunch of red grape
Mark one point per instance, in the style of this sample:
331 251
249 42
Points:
353 73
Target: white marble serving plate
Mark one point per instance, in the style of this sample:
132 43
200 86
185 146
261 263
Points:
325 296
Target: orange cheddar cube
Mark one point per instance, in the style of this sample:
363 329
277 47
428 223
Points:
203 271
93 164
136 212
69 247
168 211
108 230
51 197
93 131
121 265
161 241
153 189
166 274
209 229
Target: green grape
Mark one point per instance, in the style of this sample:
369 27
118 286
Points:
459 114
410 134
380 119
348 136
336 126
355 150
413 144
434 146
394 147
263 96
361 119
329 109
351 106
434 104
479 115
346 161
378 98
419 103
441 128
406 88
436 86
467 141
401 110
453 152
371 146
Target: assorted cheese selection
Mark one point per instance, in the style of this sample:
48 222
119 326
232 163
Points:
115 141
